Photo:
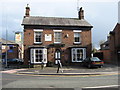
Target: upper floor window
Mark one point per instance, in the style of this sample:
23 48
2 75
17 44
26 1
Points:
38 36
57 36
77 37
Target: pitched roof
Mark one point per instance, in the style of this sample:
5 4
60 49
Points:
3 41
54 21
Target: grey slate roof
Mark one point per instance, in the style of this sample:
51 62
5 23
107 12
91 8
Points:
3 41
54 21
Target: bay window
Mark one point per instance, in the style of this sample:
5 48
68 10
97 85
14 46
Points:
38 55
78 54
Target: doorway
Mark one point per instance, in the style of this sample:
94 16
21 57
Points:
57 55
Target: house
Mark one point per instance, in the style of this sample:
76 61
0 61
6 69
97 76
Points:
110 49
104 51
48 39
115 44
11 47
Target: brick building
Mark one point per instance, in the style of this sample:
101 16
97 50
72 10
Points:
111 48
105 51
12 49
47 39
115 44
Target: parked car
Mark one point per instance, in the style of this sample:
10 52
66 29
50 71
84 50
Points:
12 61
93 62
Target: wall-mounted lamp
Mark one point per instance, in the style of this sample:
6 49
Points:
66 36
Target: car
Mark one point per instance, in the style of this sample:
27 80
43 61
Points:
93 62
12 61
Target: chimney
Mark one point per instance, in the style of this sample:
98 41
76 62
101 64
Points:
27 13
81 14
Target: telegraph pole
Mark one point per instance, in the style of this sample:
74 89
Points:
6 50
6 63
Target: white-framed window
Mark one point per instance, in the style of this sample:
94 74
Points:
78 54
77 36
37 36
57 54
57 36
38 55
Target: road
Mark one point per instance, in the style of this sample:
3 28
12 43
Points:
28 81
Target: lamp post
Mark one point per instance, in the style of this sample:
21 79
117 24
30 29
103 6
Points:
6 64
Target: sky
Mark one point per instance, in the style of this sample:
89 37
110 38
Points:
101 14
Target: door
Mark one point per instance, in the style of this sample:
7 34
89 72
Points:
57 55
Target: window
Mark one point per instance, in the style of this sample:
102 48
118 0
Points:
78 54
37 36
38 55
57 36
77 37
57 54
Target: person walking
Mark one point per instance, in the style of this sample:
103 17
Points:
59 66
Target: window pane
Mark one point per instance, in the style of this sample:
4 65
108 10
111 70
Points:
57 37
57 54
77 37
38 36
32 55
38 55
79 54
74 54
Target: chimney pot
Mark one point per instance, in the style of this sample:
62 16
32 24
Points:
81 14
27 13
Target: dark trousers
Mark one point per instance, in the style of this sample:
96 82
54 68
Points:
58 68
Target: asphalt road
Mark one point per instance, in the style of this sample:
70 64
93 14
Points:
77 82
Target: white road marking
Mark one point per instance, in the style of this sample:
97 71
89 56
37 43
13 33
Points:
103 86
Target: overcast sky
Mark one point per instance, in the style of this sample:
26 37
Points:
102 14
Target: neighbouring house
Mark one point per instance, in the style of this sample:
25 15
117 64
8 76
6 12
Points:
115 44
11 47
105 51
110 50
48 39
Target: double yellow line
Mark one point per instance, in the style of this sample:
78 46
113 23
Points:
69 75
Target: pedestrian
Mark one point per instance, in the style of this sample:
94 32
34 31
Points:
59 66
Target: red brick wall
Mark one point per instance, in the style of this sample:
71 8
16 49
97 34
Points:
106 56
115 44
29 41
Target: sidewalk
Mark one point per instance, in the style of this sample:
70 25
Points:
69 71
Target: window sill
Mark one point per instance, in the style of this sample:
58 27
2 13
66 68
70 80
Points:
37 42
77 43
57 42
76 61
